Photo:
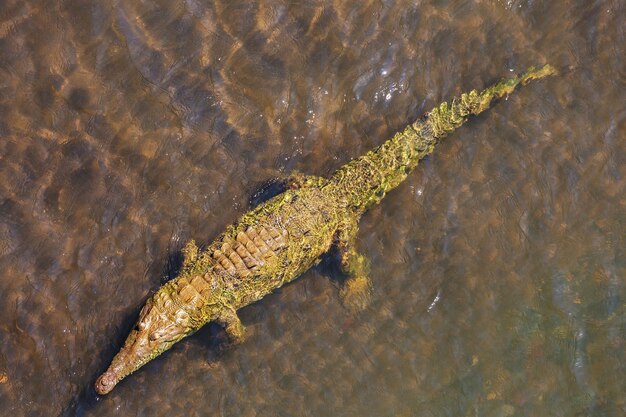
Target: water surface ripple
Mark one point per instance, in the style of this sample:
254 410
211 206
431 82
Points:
129 127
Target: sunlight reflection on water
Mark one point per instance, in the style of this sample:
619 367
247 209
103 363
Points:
130 127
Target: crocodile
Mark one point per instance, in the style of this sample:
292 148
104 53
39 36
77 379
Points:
275 242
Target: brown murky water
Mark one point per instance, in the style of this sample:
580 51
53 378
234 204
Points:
128 127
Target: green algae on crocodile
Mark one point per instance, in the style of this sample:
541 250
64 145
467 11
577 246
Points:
281 238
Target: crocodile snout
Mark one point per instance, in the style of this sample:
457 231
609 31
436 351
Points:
106 382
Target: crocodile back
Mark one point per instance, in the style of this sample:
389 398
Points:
270 246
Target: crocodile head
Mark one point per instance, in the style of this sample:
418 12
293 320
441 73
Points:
156 330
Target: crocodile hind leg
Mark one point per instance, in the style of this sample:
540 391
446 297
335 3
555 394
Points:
357 289
235 330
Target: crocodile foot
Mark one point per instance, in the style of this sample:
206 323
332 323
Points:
356 293
235 330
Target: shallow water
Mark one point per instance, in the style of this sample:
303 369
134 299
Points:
499 267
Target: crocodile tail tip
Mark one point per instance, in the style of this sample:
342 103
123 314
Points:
537 73
106 382
504 87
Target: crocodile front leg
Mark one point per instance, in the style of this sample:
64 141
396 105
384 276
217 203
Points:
357 289
297 179
235 330
190 253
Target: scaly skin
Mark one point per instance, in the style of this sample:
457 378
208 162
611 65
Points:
280 239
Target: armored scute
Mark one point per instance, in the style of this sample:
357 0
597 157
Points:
277 241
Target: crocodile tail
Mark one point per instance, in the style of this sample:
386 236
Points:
448 117
365 180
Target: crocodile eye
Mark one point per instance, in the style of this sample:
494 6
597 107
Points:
141 326
144 312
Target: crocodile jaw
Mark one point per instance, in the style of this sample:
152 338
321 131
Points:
155 332
131 357
140 348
